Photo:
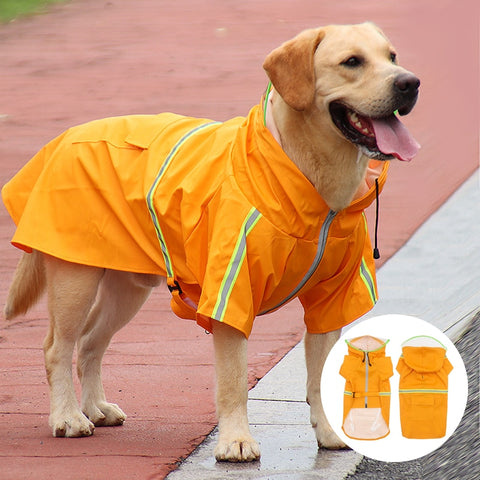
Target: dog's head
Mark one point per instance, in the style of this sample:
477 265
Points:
350 74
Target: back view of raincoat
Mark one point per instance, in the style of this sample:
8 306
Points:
366 405
423 388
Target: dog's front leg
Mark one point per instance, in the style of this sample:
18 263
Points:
317 347
235 442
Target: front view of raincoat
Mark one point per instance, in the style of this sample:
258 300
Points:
366 405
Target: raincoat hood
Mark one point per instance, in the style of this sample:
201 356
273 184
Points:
424 354
424 359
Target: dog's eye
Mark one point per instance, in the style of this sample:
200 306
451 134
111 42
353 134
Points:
393 57
353 62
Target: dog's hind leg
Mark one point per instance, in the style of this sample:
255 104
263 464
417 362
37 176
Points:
120 296
317 347
71 292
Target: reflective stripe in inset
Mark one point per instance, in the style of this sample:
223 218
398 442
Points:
423 390
379 394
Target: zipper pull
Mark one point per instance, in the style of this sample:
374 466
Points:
365 357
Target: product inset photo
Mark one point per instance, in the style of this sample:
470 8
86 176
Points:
394 387
366 405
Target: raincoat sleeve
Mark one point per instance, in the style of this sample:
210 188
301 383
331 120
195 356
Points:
230 294
347 367
447 366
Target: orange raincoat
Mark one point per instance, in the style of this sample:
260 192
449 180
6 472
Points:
423 388
217 208
366 404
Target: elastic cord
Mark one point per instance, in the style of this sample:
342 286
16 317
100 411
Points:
376 253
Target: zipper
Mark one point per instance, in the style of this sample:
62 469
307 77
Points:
322 242
367 362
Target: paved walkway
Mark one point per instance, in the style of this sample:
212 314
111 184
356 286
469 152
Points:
88 59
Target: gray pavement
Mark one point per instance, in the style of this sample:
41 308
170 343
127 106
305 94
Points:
436 277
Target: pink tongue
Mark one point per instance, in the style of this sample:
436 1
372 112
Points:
393 138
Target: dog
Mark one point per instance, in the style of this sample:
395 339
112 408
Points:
240 217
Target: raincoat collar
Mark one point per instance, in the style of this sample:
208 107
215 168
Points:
359 346
294 206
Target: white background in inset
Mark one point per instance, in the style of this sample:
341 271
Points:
398 329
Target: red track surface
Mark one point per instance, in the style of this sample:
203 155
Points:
90 59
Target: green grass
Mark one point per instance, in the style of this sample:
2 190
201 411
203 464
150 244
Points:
11 9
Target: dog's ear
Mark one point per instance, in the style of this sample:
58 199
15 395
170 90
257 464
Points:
290 68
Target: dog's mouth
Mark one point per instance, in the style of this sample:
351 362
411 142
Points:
379 138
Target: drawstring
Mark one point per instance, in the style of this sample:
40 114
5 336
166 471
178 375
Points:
376 253
366 356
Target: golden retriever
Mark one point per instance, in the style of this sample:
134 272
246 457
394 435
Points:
331 109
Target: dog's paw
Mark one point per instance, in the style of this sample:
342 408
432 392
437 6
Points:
105 414
73 425
237 450
328 439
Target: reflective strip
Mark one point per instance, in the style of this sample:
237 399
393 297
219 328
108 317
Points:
363 394
423 336
420 390
365 273
265 103
322 242
151 194
235 265
368 281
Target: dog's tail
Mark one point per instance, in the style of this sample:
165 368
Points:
28 284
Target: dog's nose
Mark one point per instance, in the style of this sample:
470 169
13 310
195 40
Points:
406 91
407 84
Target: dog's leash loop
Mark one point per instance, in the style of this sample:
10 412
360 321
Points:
174 287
